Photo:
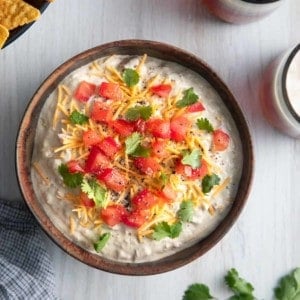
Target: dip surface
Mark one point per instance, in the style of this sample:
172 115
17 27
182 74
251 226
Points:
81 224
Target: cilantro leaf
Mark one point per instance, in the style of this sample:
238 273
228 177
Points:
242 289
132 142
103 239
78 118
189 98
141 151
209 181
192 159
186 211
197 291
289 286
163 230
131 77
164 178
71 180
204 124
95 192
139 112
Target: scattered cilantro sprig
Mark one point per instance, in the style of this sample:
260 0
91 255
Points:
189 98
134 147
197 291
289 287
163 230
71 180
209 181
95 191
192 159
131 77
139 112
204 124
78 118
103 239
186 211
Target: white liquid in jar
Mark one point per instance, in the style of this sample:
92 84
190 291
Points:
293 83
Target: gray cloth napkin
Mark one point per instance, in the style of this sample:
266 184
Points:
25 266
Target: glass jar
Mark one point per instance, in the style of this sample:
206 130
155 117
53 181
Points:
280 93
241 11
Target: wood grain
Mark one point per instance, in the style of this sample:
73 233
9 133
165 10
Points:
264 244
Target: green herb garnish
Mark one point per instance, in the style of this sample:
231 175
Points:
192 159
163 230
95 191
204 124
164 178
78 118
103 239
134 147
138 112
209 181
131 77
197 291
71 180
189 98
186 211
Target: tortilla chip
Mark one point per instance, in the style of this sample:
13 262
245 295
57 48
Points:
4 33
15 13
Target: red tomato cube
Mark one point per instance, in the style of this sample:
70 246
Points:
84 91
111 91
113 179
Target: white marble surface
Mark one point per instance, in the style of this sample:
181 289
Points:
264 243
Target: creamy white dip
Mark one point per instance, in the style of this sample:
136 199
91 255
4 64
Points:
293 83
123 245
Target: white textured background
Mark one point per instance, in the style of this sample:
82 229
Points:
265 242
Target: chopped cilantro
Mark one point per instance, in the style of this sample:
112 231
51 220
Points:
103 239
71 180
132 142
164 178
141 151
163 230
204 124
139 112
186 211
189 98
209 181
131 77
197 291
78 118
192 159
95 192
289 286
242 289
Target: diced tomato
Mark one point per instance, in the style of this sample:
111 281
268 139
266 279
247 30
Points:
144 200
86 201
220 140
74 167
101 112
161 90
168 192
189 172
140 125
113 179
147 165
84 91
198 106
113 215
159 148
159 128
109 146
96 161
111 91
135 219
122 127
179 127
183 170
90 138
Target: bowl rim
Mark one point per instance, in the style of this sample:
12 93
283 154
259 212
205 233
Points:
182 257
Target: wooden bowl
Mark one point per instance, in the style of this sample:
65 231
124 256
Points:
15 33
25 148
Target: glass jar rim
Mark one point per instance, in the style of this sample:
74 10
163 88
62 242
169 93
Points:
283 83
